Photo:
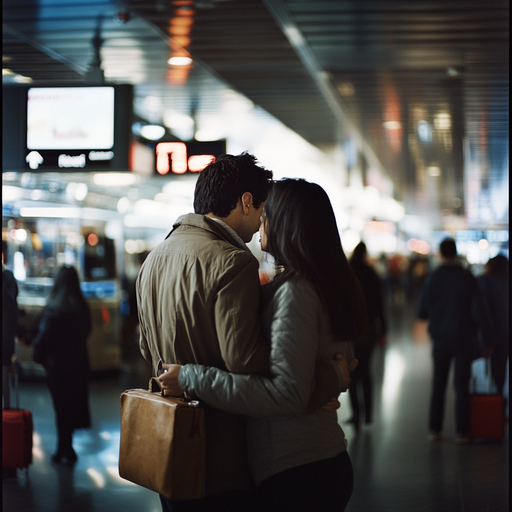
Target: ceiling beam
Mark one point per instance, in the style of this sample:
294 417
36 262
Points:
321 77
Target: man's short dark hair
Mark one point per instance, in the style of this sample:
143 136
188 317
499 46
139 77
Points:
448 248
223 182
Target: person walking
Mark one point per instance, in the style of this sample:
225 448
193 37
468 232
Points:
60 346
9 324
494 284
454 307
314 306
376 330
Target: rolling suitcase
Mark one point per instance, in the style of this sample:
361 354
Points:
487 420
17 431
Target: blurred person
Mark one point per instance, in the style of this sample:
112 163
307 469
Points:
494 284
60 346
9 324
454 307
313 307
204 270
375 332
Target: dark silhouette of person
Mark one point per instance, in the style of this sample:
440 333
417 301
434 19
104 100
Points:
376 330
60 346
456 312
9 324
495 288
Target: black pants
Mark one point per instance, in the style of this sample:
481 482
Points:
442 357
233 501
362 379
499 360
324 486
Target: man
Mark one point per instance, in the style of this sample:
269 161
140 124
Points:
199 301
453 305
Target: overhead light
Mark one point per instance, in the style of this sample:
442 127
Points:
114 179
346 89
123 205
443 121
81 191
424 131
483 244
52 212
434 170
294 35
20 79
173 120
11 193
152 131
392 125
453 72
179 61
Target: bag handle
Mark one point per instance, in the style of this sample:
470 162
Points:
155 386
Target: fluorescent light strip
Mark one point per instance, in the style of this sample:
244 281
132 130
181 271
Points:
69 213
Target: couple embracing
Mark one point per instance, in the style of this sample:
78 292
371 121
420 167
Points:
266 361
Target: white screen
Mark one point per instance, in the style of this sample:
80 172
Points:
70 118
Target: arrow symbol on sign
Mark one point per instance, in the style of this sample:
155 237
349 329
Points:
34 159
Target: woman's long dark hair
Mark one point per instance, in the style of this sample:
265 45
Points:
303 238
66 292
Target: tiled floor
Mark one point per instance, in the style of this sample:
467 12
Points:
396 468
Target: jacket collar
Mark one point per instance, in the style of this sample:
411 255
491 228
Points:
203 222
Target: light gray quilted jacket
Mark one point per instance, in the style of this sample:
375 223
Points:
280 435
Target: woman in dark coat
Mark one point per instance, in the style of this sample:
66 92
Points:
60 346
376 330
494 284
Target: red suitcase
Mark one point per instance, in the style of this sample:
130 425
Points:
487 419
17 432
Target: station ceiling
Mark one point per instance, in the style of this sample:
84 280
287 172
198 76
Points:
421 86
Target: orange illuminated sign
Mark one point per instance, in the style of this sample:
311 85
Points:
180 157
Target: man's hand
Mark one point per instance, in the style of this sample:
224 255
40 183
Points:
169 380
346 369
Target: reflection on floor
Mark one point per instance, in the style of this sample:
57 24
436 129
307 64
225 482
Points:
396 468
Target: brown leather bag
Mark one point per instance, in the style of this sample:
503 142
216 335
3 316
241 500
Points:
162 443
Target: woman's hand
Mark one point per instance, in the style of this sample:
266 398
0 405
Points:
332 406
346 369
169 380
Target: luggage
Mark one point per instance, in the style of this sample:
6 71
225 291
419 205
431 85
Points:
17 431
163 443
487 419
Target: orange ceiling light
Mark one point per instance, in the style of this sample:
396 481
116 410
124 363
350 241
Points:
179 31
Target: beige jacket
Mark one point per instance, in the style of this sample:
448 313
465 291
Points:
198 298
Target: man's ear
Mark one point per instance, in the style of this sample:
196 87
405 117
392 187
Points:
247 202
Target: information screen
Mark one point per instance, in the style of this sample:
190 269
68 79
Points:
67 128
70 118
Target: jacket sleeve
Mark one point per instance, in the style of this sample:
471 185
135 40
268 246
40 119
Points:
423 313
482 317
237 318
294 336
143 342
46 333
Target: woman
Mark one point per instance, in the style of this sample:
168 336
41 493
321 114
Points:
60 346
314 308
376 330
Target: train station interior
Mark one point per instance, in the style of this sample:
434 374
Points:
398 109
